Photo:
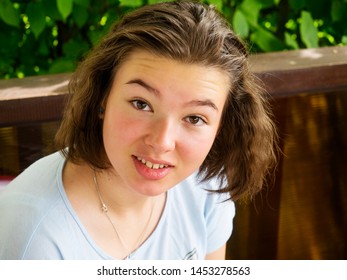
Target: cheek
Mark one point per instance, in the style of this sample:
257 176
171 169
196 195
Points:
115 130
120 130
196 149
112 128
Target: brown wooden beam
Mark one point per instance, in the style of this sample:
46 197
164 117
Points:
32 99
289 73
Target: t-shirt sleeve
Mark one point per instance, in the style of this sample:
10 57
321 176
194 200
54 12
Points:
219 214
24 204
41 247
20 236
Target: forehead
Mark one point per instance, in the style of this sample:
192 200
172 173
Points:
152 66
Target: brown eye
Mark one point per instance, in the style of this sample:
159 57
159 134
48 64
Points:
195 120
141 105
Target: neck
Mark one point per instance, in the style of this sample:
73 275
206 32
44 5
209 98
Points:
120 198
132 215
130 247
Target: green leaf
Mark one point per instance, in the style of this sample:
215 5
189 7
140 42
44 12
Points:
268 3
95 36
75 48
62 65
9 14
240 24
157 1
266 40
9 43
344 40
83 3
291 41
251 9
297 4
80 15
36 15
43 48
131 3
65 7
337 10
217 3
308 32
51 9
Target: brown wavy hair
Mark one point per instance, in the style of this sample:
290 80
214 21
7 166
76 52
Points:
190 32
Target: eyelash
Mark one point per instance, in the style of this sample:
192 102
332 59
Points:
200 119
137 102
189 119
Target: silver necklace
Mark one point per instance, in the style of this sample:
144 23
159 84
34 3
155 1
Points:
129 253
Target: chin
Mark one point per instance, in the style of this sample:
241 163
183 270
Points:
150 193
151 189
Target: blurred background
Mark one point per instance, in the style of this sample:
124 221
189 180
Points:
50 36
303 213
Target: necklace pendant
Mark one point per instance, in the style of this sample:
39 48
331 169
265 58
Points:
104 208
120 239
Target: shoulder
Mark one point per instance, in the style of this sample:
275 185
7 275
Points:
35 184
193 188
197 200
199 221
40 172
42 168
215 211
25 203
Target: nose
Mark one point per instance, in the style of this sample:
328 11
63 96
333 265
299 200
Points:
161 136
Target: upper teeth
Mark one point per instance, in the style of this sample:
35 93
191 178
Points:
152 165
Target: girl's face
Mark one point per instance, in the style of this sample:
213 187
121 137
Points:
160 120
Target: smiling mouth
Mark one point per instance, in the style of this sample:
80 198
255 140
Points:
152 165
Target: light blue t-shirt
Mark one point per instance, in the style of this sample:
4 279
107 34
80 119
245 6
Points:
37 220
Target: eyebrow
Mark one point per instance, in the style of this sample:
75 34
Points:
145 85
205 102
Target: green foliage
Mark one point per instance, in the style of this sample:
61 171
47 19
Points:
64 8
308 31
240 23
8 13
50 36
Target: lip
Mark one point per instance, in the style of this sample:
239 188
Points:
149 173
169 164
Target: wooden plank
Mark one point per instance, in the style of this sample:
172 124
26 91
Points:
299 59
285 83
289 73
34 87
32 99
31 110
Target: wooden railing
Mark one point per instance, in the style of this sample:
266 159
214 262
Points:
32 99
303 215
